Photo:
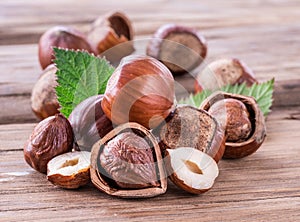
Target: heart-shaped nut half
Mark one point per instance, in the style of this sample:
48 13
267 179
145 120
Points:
70 170
191 170
127 163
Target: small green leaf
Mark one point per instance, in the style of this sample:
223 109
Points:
262 92
79 76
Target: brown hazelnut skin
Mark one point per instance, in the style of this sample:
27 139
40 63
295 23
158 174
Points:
180 48
107 185
244 147
141 90
89 122
44 101
223 72
63 37
51 137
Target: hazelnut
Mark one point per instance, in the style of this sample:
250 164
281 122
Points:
110 36
233 115
191 169
70 170
141 90
51 137
180 48
244 124
44 101
89 122
190 127
224 72
127 163
60 36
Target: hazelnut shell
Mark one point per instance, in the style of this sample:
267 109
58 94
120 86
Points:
104 185
241 149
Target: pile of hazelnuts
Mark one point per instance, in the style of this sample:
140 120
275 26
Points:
129 140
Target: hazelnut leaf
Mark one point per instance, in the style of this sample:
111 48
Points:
80 75
262 92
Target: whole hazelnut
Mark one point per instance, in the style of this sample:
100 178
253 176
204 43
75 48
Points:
89 122
51 137
180 48
224 72
63 37
141 90
44 101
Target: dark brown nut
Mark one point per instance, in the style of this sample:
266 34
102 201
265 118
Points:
89 122
224 72
243 146
70 170
51 137
63 37
191 169
44 101
127 163
180 48
190 127
110 36
234 119
141 90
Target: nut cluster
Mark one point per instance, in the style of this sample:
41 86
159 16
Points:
128 141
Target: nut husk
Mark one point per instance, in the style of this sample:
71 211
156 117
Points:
258 134
51 137
89 122
44 101
105 182
180 48
191 127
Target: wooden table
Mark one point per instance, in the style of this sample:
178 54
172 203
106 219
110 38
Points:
262 187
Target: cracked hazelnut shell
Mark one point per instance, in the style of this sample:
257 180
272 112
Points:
191 127
112 163
63 37
51 137
141 90
258 128
44 101
180 48
89 122
223 72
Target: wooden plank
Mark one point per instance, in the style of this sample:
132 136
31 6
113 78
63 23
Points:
263 186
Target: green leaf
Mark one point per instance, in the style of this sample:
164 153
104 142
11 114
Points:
79 76
262 92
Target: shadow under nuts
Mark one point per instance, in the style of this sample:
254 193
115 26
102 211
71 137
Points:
51 137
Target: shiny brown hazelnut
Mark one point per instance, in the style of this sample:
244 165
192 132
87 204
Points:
224 72
70 170
180 48
63 37
191 127
111 36
127 163
190 169
51 137
244 124
141 90
44 101
89 122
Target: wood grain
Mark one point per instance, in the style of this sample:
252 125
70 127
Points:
263 186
